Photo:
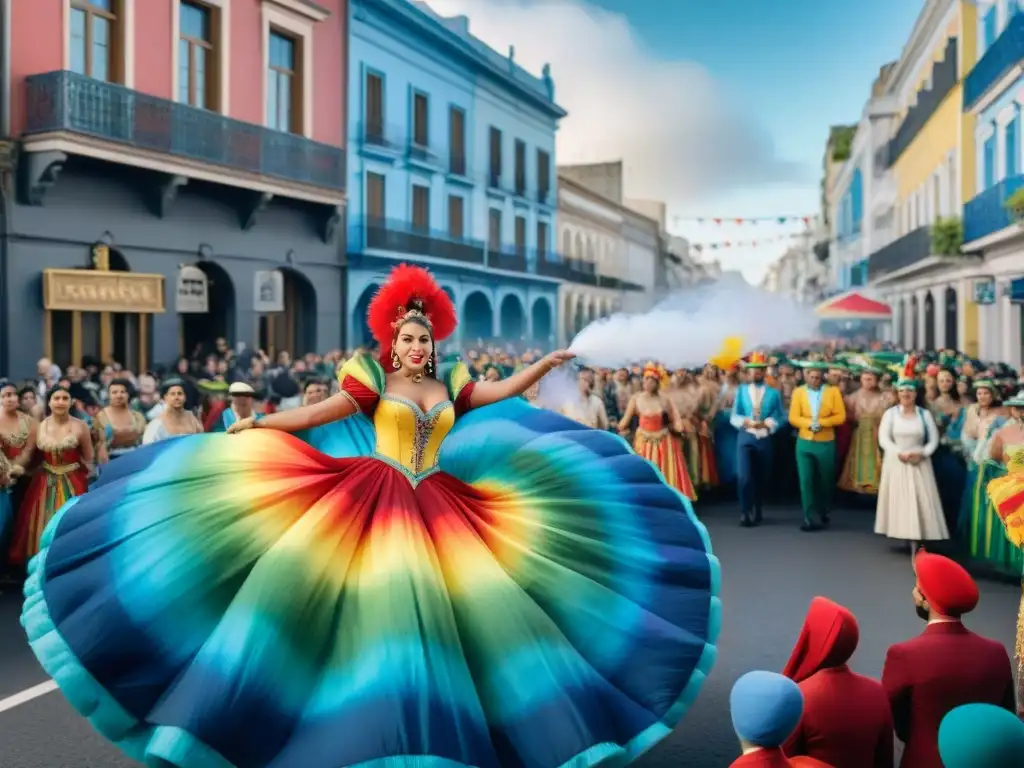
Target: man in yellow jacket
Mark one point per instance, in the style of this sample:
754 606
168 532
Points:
815 411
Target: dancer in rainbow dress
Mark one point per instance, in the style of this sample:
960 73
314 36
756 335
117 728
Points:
494 585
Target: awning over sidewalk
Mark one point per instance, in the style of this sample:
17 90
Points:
853 306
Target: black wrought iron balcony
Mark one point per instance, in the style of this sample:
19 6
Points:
551 266
901 253
65 102
403 238
1001 57
581 272
986 213
513 262
944 79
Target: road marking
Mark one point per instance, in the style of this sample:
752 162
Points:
27 695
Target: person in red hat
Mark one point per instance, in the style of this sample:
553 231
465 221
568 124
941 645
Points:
846 722
944 667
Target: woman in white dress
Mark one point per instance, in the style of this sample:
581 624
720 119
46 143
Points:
909 507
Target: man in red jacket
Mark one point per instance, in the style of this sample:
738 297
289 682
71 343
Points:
945 666
847 721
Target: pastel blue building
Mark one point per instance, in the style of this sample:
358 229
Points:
994 95
452 167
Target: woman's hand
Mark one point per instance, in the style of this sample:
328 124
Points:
241 425
17 471
556 358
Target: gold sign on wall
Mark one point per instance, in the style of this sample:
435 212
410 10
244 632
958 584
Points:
85 290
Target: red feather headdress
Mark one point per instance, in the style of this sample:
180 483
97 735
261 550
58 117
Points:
409 293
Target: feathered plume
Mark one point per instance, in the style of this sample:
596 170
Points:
909 367
410 288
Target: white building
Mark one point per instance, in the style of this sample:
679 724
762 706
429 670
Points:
864 194
611 254
798 273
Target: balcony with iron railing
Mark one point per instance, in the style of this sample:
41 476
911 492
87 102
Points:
986 213
403 237
1001 57
65 102
902 252
510 260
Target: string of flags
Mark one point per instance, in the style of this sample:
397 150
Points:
742 243
741 220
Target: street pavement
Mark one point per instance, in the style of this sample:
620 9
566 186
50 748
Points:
769 576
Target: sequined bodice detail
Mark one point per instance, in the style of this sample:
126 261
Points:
410 438
13 443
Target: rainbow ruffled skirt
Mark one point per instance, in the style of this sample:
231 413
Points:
251 602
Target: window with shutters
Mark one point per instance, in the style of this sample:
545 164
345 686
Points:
520 235
456 141
420 120
376 211
373 109
494 230
456 217
494 167
520 180
421 207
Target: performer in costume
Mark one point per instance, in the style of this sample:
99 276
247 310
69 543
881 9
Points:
909 507
846 721
950 469
653 440
865 407
979 523
65 445
466 595
757 414
16 435
816 410
118 428
1007 496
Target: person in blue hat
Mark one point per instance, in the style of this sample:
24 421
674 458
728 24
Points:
981 736
766 708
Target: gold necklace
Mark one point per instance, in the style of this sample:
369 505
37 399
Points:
417 378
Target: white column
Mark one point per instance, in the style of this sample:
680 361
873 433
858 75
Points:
939 296
908 321
918 342
964 295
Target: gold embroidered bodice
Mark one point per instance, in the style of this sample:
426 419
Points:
409 438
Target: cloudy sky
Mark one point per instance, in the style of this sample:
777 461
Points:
719 108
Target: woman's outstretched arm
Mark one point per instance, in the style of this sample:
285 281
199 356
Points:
487 392
334 408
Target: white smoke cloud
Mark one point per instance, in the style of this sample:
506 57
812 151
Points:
690 327
680 138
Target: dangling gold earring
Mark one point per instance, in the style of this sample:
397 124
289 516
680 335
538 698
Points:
429 366
395 361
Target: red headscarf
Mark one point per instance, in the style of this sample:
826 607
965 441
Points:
828 639
946 585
